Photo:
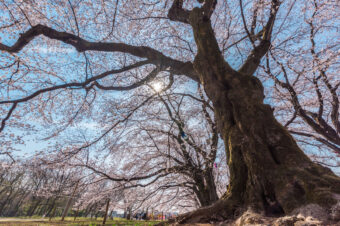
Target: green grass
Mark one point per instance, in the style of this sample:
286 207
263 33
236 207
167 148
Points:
38 221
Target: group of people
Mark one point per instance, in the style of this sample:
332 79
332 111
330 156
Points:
140 216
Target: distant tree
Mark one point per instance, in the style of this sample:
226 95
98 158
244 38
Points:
172 148
11 177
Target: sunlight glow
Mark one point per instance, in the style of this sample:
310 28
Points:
157 86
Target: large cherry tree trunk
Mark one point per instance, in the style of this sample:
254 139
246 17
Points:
268 171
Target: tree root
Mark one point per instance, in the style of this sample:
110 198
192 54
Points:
229 211
217 212
311 214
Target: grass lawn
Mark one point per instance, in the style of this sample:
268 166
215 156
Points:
70 221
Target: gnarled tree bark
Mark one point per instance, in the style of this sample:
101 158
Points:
268 171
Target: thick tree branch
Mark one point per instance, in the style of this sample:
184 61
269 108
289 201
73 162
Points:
3 122
119 179
245 24
155 57
209 7
334 147
86 82
177 13
254 59
143 81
